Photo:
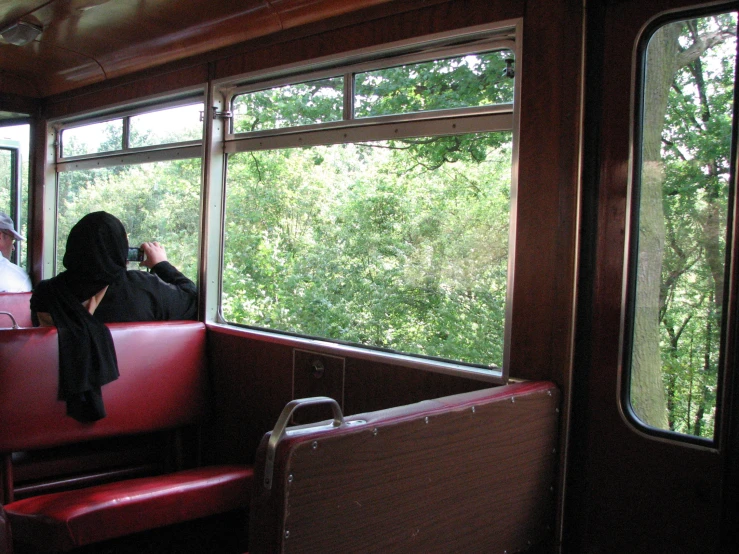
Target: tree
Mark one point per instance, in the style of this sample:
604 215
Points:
685 146
365 243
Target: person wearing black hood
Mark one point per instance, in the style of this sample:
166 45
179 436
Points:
96 288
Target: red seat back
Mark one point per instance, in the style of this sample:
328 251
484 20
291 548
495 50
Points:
162 385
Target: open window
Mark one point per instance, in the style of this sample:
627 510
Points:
371 204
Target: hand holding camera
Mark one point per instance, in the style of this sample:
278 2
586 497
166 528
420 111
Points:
148 254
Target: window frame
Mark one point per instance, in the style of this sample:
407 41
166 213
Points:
501 36
126 154
14 189
57 164
235 141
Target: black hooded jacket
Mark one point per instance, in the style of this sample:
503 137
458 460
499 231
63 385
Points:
95 257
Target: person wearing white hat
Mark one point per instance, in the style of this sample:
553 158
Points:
12 277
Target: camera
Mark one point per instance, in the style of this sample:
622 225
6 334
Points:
135 254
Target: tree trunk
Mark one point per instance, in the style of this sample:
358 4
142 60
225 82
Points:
648 396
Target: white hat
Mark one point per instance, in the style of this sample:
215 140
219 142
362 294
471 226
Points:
6 224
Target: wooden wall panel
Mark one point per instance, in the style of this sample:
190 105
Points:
376 386
160 82
19 102
39 148
548 190
434 18
253 380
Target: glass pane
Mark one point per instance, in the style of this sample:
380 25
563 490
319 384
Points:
401 245
93 139
166 126
289 106
460 82
683 202
155 201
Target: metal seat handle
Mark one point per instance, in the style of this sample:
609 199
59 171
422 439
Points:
280 428
15 323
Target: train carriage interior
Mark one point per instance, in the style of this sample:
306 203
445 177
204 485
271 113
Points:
466 275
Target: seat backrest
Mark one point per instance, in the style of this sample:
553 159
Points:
18 304
162 385
466 473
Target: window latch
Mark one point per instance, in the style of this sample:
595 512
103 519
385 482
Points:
509 70
217 115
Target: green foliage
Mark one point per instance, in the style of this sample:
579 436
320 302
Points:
401 245
696 148
155 201
363 243
5 180
460 82
318 101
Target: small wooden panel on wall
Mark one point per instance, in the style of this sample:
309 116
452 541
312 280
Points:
317 374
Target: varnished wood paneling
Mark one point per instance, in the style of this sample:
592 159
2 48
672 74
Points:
253 380
378 386
547 219
426 478
117 91
380 26
19 104
89 41
39 147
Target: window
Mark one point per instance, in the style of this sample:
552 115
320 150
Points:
318 101
370 205
159 127
95 138
680 227
9 182
180 124
154 190
456 82
14 142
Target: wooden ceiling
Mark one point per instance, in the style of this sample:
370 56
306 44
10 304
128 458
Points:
88 41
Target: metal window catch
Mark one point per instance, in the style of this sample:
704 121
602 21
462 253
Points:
15 323
281 428
509 70
217 115
221 115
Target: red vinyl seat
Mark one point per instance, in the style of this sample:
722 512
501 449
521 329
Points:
65 520
163 391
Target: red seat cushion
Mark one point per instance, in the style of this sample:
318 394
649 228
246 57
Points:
65 520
